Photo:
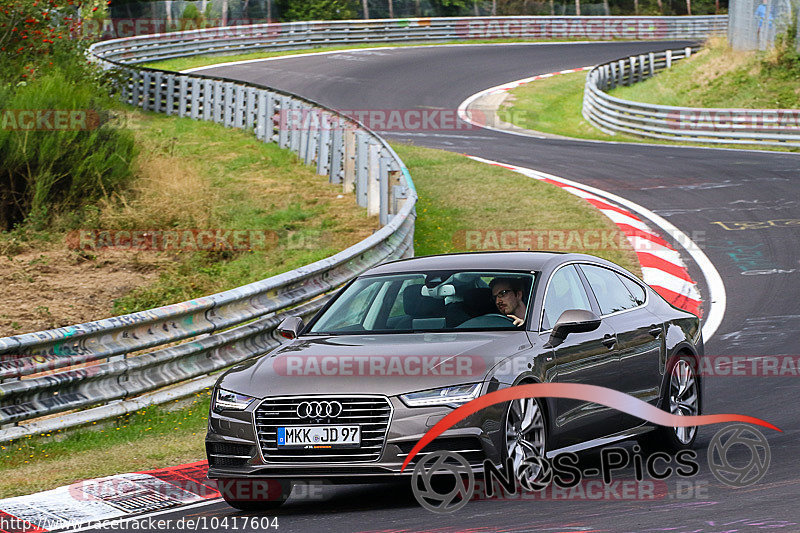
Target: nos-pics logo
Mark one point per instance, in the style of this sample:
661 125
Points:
443 481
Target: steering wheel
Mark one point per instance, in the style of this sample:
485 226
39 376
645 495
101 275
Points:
498 314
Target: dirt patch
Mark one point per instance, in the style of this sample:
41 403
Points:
58 287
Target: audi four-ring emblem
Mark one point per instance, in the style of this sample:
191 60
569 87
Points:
319 409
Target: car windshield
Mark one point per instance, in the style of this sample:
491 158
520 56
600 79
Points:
431 301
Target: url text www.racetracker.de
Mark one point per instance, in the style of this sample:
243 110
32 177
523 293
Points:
149 523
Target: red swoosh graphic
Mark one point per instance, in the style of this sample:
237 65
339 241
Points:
589 393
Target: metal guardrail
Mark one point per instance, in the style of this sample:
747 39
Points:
51 372
68 376
299 35
708 125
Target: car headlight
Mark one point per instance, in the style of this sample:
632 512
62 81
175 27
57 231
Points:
452 396
224 400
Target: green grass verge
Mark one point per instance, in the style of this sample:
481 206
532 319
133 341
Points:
183 63
456 194
147 439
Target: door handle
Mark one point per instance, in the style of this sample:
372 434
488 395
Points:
609 341
655 331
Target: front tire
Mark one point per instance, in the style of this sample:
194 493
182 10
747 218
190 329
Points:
525 440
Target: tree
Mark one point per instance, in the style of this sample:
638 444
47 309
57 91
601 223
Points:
450 8
317 9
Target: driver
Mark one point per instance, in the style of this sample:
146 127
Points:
507 296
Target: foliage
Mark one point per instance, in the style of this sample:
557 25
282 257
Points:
317 9
44 171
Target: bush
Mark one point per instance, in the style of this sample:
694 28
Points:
44 172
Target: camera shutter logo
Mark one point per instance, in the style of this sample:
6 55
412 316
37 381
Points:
443 482
323 409
736 473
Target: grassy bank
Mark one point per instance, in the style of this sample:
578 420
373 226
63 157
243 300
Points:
719 76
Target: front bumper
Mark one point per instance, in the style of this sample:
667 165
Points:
235 451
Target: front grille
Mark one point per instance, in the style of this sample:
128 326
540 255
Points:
372 413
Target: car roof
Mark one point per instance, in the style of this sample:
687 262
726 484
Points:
506 260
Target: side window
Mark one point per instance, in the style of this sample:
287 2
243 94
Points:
565 291
636 290
611 293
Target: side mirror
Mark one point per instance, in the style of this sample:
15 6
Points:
572 321
290 327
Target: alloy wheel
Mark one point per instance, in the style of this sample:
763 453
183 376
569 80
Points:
683 397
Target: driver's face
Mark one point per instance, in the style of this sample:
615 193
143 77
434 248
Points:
505 299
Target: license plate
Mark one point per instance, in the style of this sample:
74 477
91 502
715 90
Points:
319 436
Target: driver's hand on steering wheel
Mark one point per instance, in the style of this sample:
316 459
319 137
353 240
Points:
517 321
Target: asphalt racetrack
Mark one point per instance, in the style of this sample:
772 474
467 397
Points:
743 209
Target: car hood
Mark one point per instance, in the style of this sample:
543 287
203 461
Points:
387 364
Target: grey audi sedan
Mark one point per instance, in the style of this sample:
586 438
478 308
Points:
403 344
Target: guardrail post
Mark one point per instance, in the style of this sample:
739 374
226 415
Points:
652 63
194 104
373 179
349 160
383 190
687 52
622 73
612 78
157 90
239 102
283 122
337 152
182 96
218 101
295 125
250 109
324 157
227 104
170 95
270 125
669 58
208 100
305 132
362 172
136 88
262 115
314 133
